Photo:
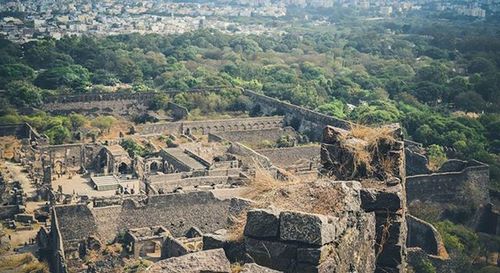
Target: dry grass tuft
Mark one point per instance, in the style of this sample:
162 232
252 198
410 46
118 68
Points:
292 194
235 231
236 268
24 263
364 142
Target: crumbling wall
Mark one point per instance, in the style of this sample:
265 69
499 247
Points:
284 157
256 137
293 241
178 111
21 131
424 235
382 170
176 212
468 186
308 120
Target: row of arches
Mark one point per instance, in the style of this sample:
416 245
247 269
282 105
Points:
203 130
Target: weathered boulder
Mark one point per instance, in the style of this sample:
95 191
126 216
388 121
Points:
255 268
313 229
262 223
208 261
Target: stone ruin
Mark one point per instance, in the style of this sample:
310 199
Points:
368 231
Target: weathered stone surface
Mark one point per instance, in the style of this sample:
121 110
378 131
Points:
209 261
276 255
262 223
235 250
306 228
255 268
314 255
194 232
354 251
391 199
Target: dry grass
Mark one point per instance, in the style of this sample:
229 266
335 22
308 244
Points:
23 263
235 231
236 268
292 194
364 142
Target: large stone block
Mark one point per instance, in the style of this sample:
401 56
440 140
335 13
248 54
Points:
209 261
388 199
313 229
262 223
273 254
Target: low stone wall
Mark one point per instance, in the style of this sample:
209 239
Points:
284 157
424 235
248 156
177 212
256 137
178 111
469 186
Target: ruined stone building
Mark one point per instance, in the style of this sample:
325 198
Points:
200 202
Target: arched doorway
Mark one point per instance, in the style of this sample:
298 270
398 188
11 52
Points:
123 168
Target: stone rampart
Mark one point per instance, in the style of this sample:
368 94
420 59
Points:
424 235
211 126
309 120
468 186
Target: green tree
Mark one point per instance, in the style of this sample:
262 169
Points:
22 94
15 72
77 121
58 134
103 123
74 76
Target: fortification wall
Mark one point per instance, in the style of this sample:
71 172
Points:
118 107
178 111
309 119
469 185
238 124
256 137
176 212
211 126
284 157
424 235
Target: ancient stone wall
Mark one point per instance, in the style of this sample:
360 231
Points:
309 120
284 157
468 186
424 235
178 111
176 212
238 124
293 241
210 126
383 193
256 137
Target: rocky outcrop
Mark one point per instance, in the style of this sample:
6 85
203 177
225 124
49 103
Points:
208 261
